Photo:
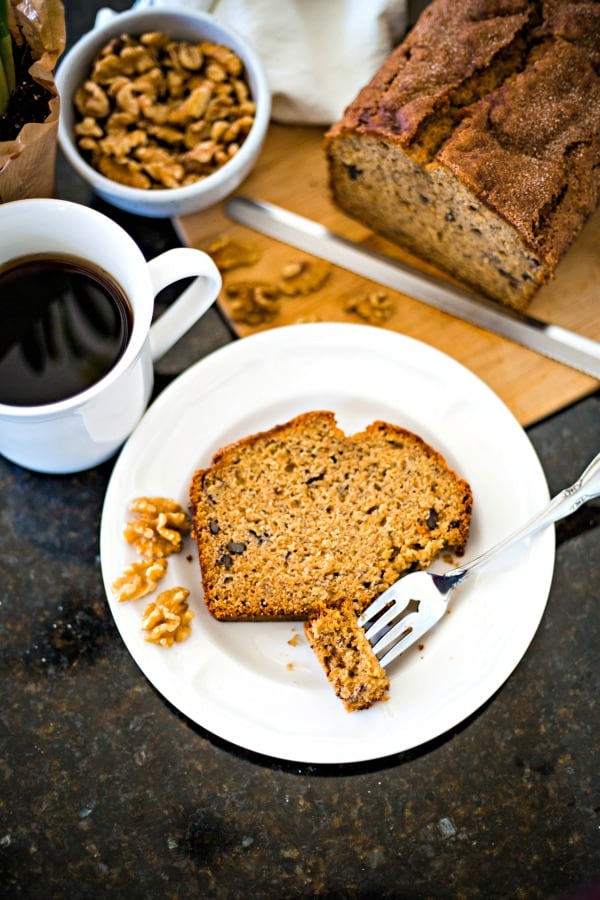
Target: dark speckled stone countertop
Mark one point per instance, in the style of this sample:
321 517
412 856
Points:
108 791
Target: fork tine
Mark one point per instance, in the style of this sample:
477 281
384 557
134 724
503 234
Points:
369 616
390 613
391 617
398 633
423 615
403 613
396 630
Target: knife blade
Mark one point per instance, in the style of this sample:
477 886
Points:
553 341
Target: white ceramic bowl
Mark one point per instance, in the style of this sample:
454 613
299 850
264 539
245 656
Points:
181 25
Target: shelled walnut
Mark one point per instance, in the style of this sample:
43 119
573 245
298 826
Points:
139 579
158 527
375 307
156 532
253 302
259 302
155 112
167 619
228 254
303 277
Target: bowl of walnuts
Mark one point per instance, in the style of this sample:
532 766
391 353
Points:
163 112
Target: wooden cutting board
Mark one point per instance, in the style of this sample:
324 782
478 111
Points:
291 172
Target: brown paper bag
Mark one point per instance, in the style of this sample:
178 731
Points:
28 163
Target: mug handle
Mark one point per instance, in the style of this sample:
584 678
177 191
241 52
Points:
165 269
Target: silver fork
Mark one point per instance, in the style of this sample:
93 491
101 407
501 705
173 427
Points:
413 605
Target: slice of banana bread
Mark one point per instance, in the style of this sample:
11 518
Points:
477 143
301 515
346 656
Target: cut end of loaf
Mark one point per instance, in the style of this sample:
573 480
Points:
435 217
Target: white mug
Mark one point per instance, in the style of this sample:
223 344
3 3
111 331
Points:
89 427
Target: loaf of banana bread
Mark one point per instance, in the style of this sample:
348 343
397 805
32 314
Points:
477 143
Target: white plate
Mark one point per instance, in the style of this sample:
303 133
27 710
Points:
246 682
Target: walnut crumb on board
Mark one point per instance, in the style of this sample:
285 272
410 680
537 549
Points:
253 302
256 302
302 278
228 254
375 307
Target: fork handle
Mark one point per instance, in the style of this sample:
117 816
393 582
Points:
585 488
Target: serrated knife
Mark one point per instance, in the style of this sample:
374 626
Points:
557 343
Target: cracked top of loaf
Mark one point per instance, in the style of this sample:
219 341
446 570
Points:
505 94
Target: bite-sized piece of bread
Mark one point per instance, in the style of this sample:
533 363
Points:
477 143
347 657
302 515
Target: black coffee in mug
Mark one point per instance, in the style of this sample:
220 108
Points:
63 325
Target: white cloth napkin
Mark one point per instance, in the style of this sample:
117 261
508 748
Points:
317 53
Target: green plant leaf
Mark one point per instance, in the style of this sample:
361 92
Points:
7 64
4 92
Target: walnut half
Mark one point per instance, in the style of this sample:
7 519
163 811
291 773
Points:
139 579
375 307
229 254
167 620
253 302
158 528
302 278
